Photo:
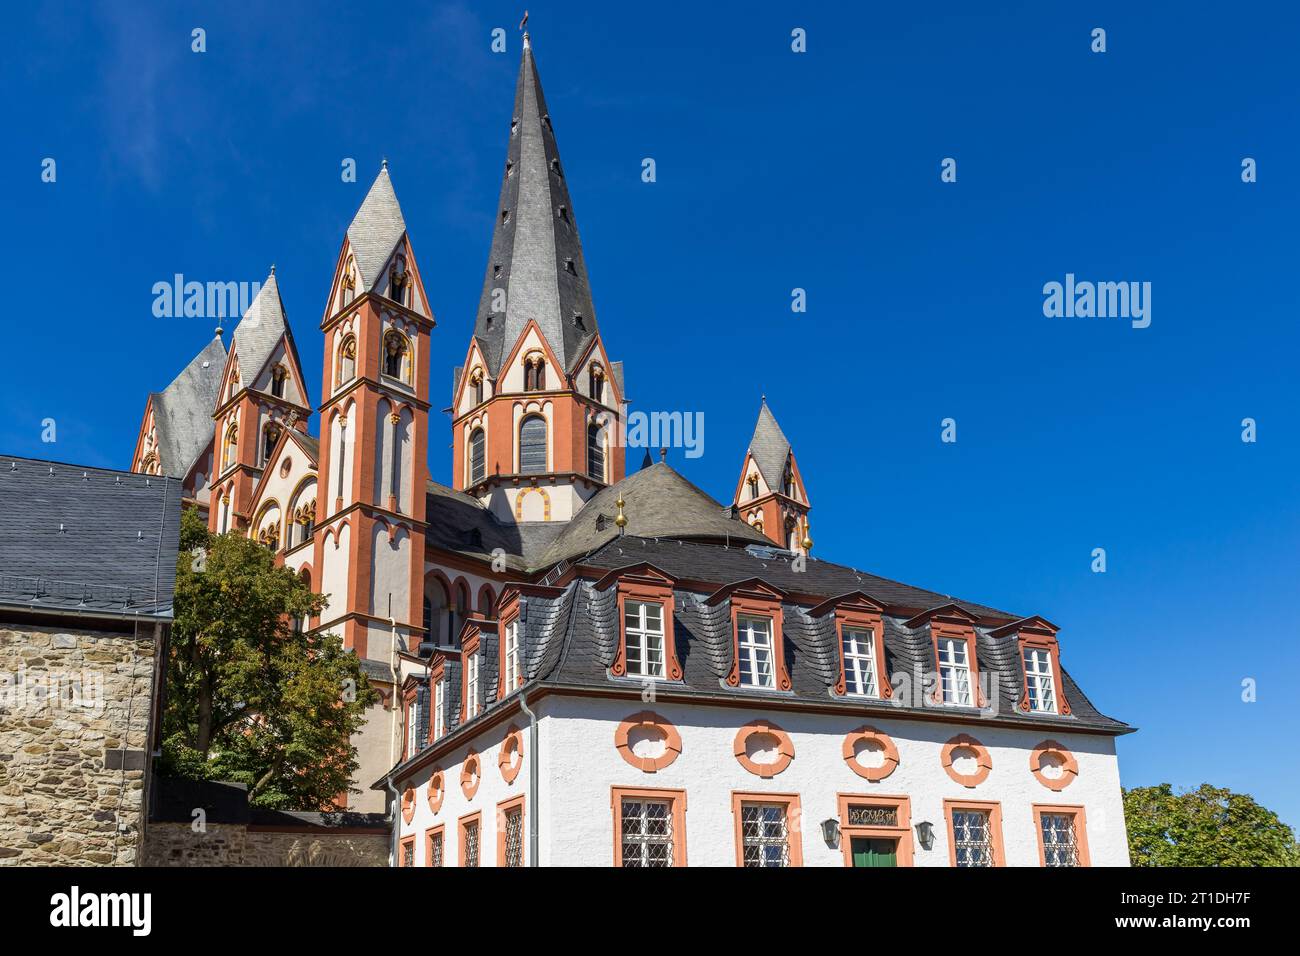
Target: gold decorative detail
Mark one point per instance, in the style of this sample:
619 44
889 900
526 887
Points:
621 520
394 418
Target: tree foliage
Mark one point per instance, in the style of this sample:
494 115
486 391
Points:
248 697
1208 826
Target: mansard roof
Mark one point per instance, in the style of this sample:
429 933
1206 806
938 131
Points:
87 541
375 231
769 448
535 241
182 412
570 636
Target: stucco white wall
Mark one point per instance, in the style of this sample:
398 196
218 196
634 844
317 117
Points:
579 764
492 790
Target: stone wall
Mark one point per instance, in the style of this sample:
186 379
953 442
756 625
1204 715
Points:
232 844
74 729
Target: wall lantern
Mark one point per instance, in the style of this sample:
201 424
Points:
831 832
925 834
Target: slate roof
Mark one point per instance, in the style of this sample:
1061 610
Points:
770 448
569 640
375 231
535 241
658 502
87 540
182 412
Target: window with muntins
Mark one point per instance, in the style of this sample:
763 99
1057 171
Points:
754 646
859 663
439 709
765 834
647 836
1039 681
471 687
512 656
643 624
435 850
954 671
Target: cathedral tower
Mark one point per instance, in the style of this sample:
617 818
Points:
536 406
262 392
370 526
771 495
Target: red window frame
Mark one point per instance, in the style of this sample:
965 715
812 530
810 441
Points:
649 584
858 611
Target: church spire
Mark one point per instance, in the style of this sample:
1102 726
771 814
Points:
536 268
771 496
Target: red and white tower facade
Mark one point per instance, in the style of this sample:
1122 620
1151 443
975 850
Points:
370 525
771 495
537 402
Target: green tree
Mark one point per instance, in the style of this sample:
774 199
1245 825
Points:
1208 826
249 698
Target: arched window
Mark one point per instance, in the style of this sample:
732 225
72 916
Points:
396 355
269 536
459 613
595 452
753 486
487 602
349 290
437 612
347 365
532 445
597 383
534 373
477 455
476 382
278 376
270 435
231 446
397 281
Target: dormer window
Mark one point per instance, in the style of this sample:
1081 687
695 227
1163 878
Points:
755 651
952 633
859 663
954 671
513 674
439 707
860 629
1040 657
646 648
1040 688
472 683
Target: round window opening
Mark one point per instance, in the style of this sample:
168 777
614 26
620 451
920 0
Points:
965 761
647 742
869 754
763 749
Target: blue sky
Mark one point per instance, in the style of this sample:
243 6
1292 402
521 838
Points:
774 171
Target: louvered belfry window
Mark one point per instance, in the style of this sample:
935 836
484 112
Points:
477 453
595 452
532 445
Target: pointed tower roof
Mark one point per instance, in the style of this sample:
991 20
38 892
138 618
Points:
182 412
260 330
536 255
376 230
770 447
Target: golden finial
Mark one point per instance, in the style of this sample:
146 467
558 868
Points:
621 520
807 538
